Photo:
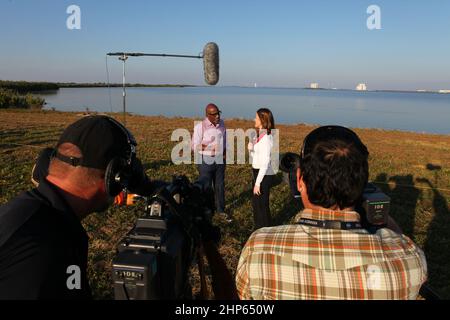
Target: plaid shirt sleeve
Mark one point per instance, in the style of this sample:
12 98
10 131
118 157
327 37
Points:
242 279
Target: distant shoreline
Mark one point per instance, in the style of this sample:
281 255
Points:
138 85
119 85
384 90
37 86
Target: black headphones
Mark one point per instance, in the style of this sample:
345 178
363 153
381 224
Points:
121 170
327 131
290 161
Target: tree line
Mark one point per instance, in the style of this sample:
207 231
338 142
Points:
23 87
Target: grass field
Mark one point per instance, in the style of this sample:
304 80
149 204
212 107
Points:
412 168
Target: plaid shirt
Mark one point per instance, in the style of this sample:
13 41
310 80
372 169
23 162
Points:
301 262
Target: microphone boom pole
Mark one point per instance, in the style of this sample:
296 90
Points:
124 93
123 56
138 54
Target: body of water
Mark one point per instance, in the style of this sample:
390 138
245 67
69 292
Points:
419 112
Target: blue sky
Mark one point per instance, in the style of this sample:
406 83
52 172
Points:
272 43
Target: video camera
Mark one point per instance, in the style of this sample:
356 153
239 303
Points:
373 206
153 260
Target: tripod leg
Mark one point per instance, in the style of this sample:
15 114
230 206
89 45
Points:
204 292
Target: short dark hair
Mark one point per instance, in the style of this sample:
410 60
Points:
334 167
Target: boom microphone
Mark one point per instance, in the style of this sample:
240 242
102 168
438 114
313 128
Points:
211 63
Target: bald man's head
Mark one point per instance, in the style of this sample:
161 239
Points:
213 113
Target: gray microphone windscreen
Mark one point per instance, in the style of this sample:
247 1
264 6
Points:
211 63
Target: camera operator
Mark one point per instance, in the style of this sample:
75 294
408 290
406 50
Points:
43 245
326 253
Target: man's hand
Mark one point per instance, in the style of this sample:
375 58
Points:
257 190
214 149
207 147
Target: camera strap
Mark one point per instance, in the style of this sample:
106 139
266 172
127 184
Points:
330 224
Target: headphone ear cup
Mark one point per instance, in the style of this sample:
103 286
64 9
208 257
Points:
114 176
40 168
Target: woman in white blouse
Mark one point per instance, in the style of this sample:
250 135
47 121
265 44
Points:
260 150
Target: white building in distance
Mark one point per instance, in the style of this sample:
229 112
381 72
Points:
361 87
444 91
314 85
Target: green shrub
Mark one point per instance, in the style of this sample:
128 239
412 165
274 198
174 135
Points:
12 99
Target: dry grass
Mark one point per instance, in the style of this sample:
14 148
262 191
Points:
413 168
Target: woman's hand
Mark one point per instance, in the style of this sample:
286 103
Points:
257 190
250 146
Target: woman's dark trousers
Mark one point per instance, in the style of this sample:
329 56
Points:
261 209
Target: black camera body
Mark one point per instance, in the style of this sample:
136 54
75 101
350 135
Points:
153 260
373 206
